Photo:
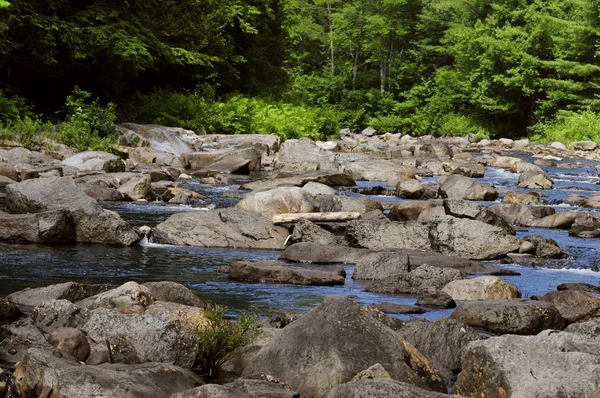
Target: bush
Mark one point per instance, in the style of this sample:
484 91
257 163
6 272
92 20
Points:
87 125
13 109
221 339
569 127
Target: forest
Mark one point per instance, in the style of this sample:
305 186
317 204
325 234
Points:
300 68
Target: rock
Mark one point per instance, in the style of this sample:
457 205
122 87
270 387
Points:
592 202
8 312
413 189
585 287
409 210
379 388
466 169
585 145
520 214
562 220
369 132
8 171
548 365
427 215
277 272
390 308
173 292
173 140
103 194
330 178
509 316
279 201
137 188
574 305
376 371
321 253
522 167
307 231
170 193
506 142
385 234
574 199
442 342
309 354
527 248
71 291
96 161
92 223
544 248
359 205
304 155
481 288
380 265
412 282
558 145
534 180
459 187
433 297
529 198
316 188
471 239
586 225
129 298
465 209
72 341
263 387
17 339
590 329
221 228
212 391
234 164
382 170
55 226
66 377
505 162
3 383
55 314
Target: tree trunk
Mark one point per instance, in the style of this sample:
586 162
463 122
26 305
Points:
357 53
329 11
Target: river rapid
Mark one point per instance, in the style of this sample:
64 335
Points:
24 266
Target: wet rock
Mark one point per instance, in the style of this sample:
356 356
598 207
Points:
66 377
481 288
544 247
530 198
379 388
409 210
521 214
71 341
586 225
96 161
413 189
522 167
71 291
471 239
278 201
534 180
92 223
170 193
278 272
382 234
548 365
137 188
319 253
509 316
380 265
585 287
309 355
459 187
412 282
442 342
221 228
55 226
433 297
574 199
574 305
173 292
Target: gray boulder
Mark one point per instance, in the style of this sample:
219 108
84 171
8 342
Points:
309 354
221 228
586 225
385 234
433 297
548 365
173 140
534 180
481 288
55 226
304 155
459 187
278 272
71 341
71 291
138 187
66 377
465 209
471 239
307 231
96 161
92 223
412 282
509 316
278 201
521 214
379 388
574 305
173 292
380 265
321 253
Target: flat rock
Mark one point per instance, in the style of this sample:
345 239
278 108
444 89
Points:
70 291
382 234
412 282
278 272
380 388
380 265
481 288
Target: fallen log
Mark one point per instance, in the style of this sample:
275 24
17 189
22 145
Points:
332 216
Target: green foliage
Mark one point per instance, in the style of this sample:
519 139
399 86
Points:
13 109
30 132
569 127
87 124
221 339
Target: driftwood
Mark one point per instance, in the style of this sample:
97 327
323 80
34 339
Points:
333 216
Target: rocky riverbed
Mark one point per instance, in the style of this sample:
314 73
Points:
471 249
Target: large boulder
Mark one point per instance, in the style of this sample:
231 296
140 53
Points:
42 373
586 225
129 298
378 234
548 365
379 388
471 239
173 292
481 288
138 187
380 265
304 155
55 226
221 228
96 161
278 272
92 223
310 252
535 180
459 187
409 210
466 209
521 214
278 201
413 282
307 231
173 140
71 291
509 316
574 305
335 341
442 342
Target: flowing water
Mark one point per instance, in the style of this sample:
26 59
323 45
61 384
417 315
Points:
38 265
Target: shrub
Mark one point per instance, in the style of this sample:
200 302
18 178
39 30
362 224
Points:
13 109
568 127
221 339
